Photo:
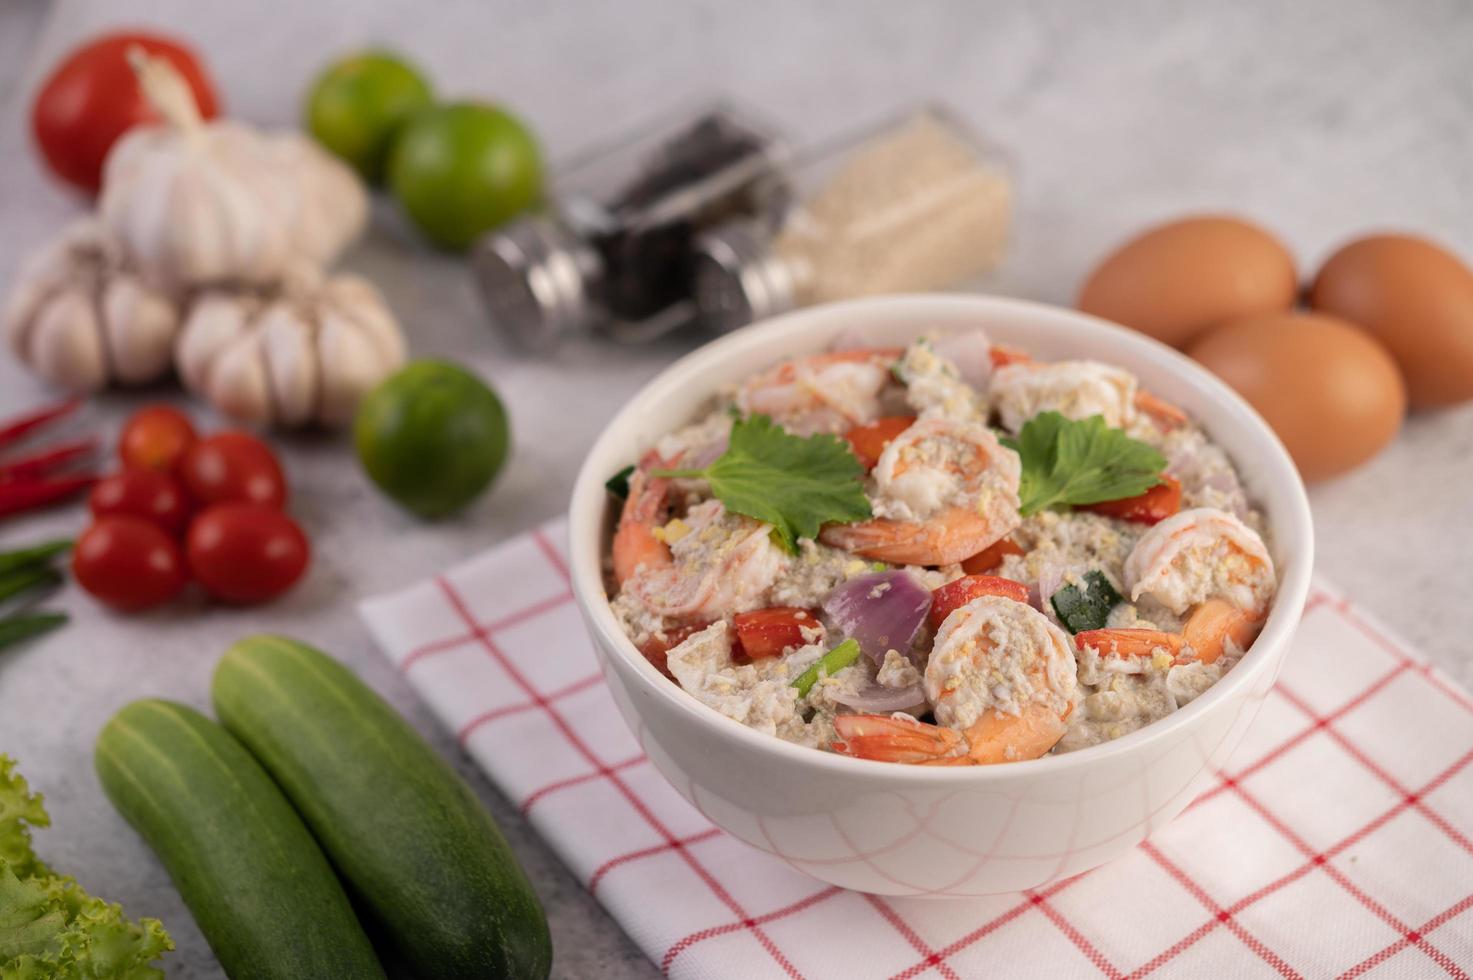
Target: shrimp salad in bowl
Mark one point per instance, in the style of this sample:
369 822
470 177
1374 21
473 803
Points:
947 554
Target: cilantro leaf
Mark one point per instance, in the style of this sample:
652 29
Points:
1068 462
796 484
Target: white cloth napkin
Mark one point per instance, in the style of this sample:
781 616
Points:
1336 843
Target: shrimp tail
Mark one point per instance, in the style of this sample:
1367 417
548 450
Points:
888 739
1216 623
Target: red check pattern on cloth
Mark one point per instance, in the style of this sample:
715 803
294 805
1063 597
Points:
1337 842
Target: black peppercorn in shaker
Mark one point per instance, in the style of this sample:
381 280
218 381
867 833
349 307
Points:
615 256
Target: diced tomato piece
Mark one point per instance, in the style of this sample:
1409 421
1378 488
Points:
655 649
768 632
989 558
953 595
1151 507
1003 356
868 441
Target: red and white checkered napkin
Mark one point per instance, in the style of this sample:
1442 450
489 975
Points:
1336 843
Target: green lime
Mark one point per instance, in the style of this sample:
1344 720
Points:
432 436
358 104
462 169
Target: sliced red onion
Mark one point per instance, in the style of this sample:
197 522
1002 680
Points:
882 610
971 352
707 455
1050 577
878 699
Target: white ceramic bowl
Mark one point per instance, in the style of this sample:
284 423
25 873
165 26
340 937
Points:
919 830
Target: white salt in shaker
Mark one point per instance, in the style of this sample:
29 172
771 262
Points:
916 204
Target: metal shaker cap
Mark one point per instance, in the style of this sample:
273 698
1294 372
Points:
737 280
536 278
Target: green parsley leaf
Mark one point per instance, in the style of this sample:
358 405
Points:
1070 463
795 484
1086 609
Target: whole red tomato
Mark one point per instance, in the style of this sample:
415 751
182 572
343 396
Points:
128 563
153 495
233 466
246 553
155 438
93 97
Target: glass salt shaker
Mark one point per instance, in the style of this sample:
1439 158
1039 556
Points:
613 257
915 204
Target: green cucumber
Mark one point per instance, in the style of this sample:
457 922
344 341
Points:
258 885
411 840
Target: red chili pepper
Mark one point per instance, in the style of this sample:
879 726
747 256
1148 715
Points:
39 464
19 428
18 497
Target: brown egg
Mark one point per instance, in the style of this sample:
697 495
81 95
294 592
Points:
1330 391
1417 299
1176 280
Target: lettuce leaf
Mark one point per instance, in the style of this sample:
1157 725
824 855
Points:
49 925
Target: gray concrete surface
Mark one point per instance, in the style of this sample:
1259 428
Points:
1321 119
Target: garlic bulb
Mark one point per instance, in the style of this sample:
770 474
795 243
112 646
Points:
301 355
330 206
80 316
201 203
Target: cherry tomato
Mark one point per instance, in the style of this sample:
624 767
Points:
246 553
655 650
868 441
93 97
128 563
153 495
1151 507
768 632
953 595
1003 356
155 438
989 558
233 466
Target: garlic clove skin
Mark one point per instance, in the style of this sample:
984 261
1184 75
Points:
371 315
357 367
65 345
199 207
80 316
305 356
215 321
330 204
237 384
138 326
291 362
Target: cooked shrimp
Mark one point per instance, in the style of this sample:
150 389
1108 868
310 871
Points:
1022 388
944 490
1205 636
1075 389
830 392
645 509
1201 554
707 565
1001 681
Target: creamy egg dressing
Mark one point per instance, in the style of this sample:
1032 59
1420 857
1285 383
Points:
981 666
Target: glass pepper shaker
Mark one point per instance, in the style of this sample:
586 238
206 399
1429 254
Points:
915 204
614 256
